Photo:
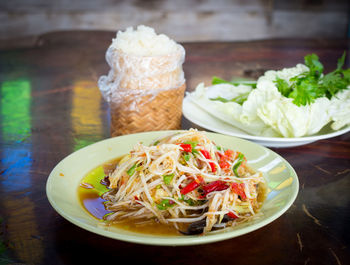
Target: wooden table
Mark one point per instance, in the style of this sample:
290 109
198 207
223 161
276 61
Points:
51 106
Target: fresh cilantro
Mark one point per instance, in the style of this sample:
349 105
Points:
346 75
310 85
283 86
334 82
305 90
341 62
315 66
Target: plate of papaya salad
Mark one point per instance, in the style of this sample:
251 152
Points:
172 187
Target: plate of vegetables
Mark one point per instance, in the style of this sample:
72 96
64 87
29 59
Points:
172 187
289 107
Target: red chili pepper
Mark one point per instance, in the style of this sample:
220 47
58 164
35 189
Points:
238 188
200 180
205 153
194 184
217 185
232 215
212 166
137 199
186 147
219 154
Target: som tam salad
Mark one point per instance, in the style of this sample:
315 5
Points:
184 180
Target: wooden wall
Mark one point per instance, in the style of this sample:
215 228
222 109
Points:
191 20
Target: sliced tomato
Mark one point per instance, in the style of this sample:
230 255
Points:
186 147
238 188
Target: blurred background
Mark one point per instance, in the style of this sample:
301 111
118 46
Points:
191 20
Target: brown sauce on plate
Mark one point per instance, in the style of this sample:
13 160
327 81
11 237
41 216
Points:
89 193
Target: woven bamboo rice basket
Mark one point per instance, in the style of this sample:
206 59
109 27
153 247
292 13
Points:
136 111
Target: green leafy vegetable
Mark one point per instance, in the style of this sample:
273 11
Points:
217 80
304 88
315 66
341 61
336 80
308 86
283 86
239 99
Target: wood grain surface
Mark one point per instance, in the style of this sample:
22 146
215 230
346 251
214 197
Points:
51 106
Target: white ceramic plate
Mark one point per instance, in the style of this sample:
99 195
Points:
62 187
202 118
